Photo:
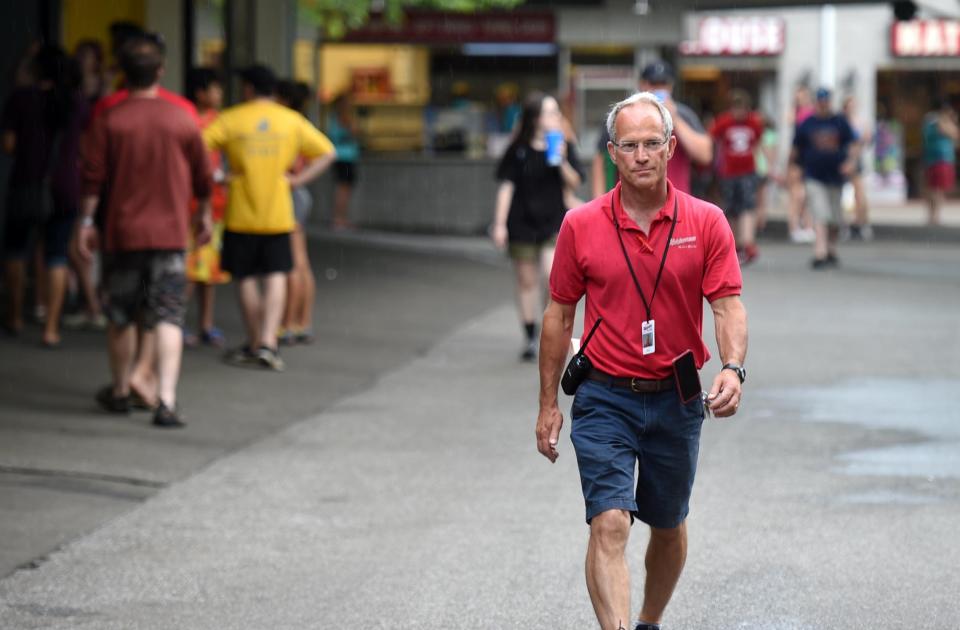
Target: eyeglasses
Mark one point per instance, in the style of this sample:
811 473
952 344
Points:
649 146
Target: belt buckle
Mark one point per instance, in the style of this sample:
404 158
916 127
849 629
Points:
636 385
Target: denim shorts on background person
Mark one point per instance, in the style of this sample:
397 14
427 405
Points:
739 194
615 430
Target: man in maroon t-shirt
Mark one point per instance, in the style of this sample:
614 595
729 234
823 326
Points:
645 255
737 133
147 153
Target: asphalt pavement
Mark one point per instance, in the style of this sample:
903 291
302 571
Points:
389 478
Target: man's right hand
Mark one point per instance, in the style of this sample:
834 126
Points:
549 423
85 242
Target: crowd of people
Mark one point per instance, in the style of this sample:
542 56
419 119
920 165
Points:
732 161
134 200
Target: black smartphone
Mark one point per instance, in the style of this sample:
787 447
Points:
686 377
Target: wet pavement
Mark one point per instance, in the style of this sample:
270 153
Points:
391 480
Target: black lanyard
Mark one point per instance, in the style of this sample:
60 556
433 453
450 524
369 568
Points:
663 260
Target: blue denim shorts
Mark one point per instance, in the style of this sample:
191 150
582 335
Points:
617 433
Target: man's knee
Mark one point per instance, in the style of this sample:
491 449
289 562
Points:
669 535
611 529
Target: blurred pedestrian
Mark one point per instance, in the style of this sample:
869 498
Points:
768 178
262 140
143 379
825 146
694 145
205 90
146 221
297 324
737 133
88 54
859 228
530 204
799 222
941 135
41 124
628 412
343 132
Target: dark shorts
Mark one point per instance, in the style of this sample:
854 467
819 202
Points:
24 224
941 176
245 255
616 432
739 194
147 287
345 172
530 252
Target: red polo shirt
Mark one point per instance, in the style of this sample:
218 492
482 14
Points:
702 263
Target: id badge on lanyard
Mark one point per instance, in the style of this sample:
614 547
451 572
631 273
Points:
648 337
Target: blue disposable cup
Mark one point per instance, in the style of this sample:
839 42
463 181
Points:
554 142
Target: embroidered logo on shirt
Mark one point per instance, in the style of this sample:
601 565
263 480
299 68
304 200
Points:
263 125
684 242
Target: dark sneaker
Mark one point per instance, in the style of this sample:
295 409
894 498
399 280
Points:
529 352
167 418
110 403
647 626
270 359
832 260
819 264
240 356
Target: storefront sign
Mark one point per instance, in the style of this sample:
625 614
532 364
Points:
925 38
455 28
752 36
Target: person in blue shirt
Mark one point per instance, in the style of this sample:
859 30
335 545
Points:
342 131
826 148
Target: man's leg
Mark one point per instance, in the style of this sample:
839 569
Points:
666 555
274 298
608 577
169 340
143 378
121 346
56 291
934 202
14 272
250 307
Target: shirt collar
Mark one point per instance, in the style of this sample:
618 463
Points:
613 206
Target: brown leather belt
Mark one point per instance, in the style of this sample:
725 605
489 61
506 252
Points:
638 385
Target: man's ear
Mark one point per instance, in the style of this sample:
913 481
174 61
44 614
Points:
612 151
671 146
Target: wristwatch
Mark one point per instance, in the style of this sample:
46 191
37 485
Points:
739 369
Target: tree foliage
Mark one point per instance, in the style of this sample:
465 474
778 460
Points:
336 17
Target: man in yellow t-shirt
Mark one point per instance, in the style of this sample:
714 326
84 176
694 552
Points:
261 140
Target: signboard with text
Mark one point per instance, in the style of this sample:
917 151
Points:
925 38
427 27
737 36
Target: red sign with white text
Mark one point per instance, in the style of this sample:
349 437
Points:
736 37
424 27
925 38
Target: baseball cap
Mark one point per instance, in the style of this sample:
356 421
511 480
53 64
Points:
657 72
262 78
823 94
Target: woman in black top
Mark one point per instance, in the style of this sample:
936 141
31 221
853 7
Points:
530 205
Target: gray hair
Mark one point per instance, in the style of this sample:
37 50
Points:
639 97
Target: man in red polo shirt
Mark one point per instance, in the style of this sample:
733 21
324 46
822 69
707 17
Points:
645 255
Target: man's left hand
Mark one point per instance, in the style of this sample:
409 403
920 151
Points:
725 394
